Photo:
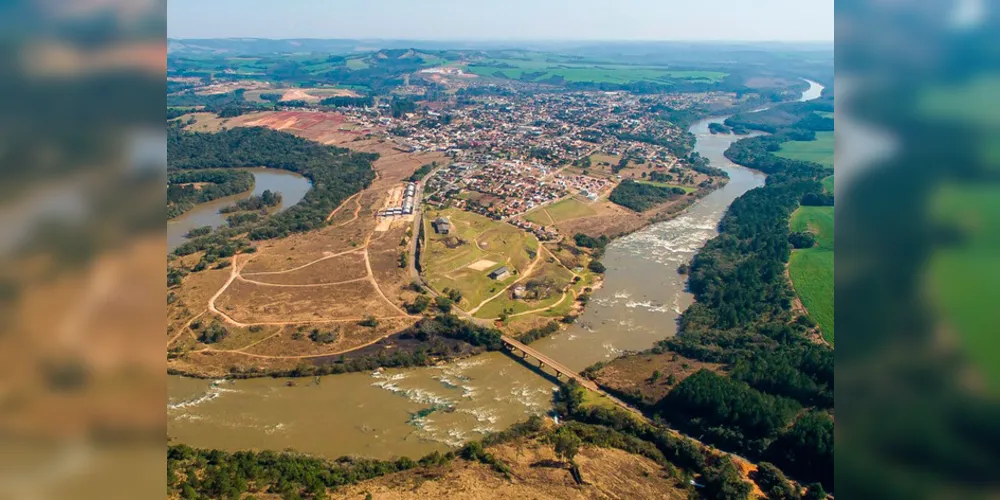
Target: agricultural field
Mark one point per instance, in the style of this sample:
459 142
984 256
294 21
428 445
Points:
811 269
819 151
539 70
965 276
566 209
475 246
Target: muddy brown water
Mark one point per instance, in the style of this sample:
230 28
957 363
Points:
412 412
293 187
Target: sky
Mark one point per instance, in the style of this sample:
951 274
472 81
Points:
735 20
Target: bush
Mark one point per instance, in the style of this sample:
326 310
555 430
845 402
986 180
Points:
803 239
596 266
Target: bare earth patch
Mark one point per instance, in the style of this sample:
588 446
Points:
482 265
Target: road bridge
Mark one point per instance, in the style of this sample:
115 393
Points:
543 360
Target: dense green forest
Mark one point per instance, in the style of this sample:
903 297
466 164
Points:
789 115
640 196
183 194
335 173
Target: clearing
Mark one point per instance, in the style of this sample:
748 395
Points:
446 258
811 269
637 375
563 210
819 151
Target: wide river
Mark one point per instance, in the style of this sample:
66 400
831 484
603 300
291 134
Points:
413 412
293 187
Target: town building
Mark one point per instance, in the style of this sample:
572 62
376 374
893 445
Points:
442 226
500 273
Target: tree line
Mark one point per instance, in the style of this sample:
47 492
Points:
183 195
640 196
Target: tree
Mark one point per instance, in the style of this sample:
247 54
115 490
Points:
815 491
566 444
596 266
723 482
802 239
369 321
773 483
419 304
444 304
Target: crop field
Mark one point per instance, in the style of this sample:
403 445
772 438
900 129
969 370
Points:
828 184
819 151
811 269
965 276
447 257
567 209
587 72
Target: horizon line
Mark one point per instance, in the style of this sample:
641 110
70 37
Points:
500 40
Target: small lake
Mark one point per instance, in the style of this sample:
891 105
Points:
293 187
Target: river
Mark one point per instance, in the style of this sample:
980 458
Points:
293 187
413 412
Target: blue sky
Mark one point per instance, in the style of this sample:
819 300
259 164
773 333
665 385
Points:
745 20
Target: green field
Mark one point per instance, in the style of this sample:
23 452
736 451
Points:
811 269
687 189
446 258
819 151
357 63
584 72
965 277
545 271
828 184
569 208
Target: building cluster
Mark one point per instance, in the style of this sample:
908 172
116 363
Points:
406 207
543 233
514 188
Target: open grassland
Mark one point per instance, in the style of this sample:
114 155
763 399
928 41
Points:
649 376
819 151
447 257
811 269
964 277
549 276
582 72
566 209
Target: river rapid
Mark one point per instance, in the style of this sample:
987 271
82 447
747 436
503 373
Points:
412 412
